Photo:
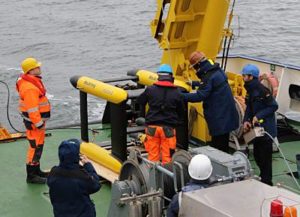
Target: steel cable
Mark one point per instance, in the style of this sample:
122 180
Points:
7 107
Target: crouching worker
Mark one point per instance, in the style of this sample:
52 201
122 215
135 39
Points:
165 111
200 170
71 184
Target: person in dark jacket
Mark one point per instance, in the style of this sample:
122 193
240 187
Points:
218 103
200 170
165 109
260 110
71 184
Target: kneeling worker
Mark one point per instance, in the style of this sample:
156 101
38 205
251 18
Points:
165 109
200 170
71 184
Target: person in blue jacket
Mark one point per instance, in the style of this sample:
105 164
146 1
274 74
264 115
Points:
260 110
200 170
70 184
218 103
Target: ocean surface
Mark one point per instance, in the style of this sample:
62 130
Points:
104 39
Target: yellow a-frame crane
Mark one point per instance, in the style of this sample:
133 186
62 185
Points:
184 26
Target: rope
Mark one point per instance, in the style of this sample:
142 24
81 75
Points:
226 46
280 151
193 114
7 107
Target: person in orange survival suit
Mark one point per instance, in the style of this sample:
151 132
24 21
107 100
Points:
165 109
35 110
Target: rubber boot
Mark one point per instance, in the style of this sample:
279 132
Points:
33 175
42 173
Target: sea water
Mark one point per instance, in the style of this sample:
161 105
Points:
104 39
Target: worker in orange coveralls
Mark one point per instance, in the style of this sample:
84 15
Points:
166 107
35 110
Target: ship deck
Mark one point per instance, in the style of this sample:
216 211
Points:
17 198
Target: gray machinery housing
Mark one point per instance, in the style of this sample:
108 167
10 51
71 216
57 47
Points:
247 198
234 166
145 188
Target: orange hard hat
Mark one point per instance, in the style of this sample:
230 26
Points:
196 56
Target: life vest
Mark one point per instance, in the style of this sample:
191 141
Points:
270 81
165 80
164 84
34 105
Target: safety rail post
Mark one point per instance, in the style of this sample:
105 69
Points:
118 122
84 116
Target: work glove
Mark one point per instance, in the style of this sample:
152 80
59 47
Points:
42 126
256 121
189 82
83 159
193 84
247 126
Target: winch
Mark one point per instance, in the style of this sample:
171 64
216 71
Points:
146 188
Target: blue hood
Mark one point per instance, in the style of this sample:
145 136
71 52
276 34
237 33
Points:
68 153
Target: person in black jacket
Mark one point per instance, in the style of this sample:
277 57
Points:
260 110
71 184
166 108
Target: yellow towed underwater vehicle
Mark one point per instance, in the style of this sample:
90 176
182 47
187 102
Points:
115 114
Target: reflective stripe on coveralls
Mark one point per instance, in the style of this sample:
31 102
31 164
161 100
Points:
35 109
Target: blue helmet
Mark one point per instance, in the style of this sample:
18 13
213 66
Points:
251 69
165 68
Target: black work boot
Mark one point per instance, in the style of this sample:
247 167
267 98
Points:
33 175
41 173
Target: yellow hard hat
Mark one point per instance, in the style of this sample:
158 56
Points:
30 63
